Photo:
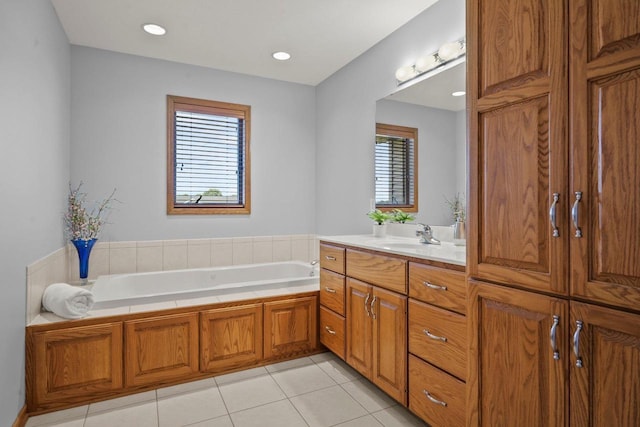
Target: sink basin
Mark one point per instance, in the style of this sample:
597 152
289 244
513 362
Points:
403 246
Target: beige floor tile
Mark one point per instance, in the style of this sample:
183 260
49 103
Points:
397 416
240 375
368 395
190 407
277 414
134 399
366 421
223 421
303 379
139 415
339 371
186 387
328 407
250 392
66 415
289 364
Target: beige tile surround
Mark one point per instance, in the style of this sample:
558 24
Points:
160 255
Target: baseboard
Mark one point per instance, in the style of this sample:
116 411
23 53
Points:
21 421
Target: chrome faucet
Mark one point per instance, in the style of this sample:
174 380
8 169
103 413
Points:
426 235
313 265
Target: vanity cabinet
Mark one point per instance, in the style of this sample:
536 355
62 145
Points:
376 336
68 365
332 298
553 89
162 348
230 337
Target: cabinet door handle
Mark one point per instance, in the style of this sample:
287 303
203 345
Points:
576 343
574 214
366 308
331 291
373 301
329 258
433 399
552 215
434 337
331 331
432 286
554 344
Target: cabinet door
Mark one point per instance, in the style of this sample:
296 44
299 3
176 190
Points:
161 349
230 337
74 364
359 326
290 326
605 88
605 388
517 140
389 315
514 378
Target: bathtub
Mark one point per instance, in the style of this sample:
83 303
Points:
141 288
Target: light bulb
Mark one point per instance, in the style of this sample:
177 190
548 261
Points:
426 63
405 73
449 51
154 29
281 56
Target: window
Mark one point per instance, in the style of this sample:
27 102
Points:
396 167
207 157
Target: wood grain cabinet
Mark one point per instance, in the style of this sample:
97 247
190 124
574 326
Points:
554 162
161 349
64 366
376 336
332 298
290 326
230 337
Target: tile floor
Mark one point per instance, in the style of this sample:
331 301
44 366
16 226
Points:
315 391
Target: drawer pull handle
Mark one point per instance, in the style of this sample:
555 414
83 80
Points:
433 399
328 329
331 291
434 337
552 215
330 258
366 301
373 313
436 287
575 214
576 343
554 344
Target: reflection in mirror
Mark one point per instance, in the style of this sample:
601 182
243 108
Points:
396 166
427 104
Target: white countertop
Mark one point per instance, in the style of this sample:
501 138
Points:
446 252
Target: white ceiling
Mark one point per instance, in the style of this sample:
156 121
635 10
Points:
240 35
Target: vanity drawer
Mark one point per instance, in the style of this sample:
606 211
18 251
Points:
332 291
332 258
384 271
446 344
438 286
442 388
332 331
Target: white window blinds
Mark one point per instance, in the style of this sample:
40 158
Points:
394 171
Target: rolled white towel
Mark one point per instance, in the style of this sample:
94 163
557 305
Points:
67 301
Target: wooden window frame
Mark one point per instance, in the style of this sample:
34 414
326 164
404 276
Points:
207 107
402 132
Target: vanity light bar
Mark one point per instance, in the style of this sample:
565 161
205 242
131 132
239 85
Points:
447 53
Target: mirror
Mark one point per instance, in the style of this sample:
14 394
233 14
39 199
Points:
426 103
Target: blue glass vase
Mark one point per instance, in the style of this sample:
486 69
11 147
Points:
84 250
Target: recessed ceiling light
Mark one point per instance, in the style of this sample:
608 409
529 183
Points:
281 56
459 93
154 29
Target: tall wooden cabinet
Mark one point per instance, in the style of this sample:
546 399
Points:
554 212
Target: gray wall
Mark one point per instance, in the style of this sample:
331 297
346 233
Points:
437 163
118 139
34 129
346 105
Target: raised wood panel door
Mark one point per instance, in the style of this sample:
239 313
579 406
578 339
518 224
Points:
514 378
161 349
605 135
72 364
290 326
605 389
230 337
358 319
389 316
518 151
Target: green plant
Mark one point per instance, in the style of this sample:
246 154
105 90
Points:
379 217
457 207
401 217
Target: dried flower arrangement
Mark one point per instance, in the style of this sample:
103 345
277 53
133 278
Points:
80 223
457 207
